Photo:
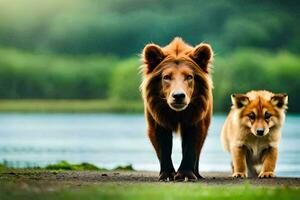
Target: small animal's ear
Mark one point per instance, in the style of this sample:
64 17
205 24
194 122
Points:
280 100
152 56
239 100
202 55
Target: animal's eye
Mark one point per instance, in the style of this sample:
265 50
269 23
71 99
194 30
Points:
267 115
189 77
251 116
167 77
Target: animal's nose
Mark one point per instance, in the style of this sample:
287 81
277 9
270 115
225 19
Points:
178 96
260 131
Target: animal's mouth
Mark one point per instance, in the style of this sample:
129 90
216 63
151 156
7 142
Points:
260 135
178 106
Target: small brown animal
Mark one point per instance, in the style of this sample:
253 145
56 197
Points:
252 131
177 93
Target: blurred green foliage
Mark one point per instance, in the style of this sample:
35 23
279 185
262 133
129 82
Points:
253 69
125 81
86 49
116 81
123 27
28 75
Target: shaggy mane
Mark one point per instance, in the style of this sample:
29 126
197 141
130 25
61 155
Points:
155 103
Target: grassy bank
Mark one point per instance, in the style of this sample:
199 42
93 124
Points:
71 106
64 166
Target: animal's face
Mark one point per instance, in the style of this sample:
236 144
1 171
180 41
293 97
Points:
260 116
178 66
178 85
260 111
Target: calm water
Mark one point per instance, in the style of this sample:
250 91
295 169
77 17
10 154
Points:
108 140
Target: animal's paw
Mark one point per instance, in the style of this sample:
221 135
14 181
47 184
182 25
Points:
266 175
185 176
239 175
198 175
166 176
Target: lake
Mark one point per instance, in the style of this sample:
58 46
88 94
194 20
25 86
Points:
108 140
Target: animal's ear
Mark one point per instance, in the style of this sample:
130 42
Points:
152 56
280 100
202 55
239 100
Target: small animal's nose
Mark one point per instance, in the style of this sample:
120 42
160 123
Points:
178 96
260 131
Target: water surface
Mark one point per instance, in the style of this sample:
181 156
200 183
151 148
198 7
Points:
108 140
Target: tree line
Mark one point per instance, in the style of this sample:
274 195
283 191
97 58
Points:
38 76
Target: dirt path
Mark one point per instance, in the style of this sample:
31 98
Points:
52 180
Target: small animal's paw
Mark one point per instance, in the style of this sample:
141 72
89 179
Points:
166 176
239 175
266 175
185 176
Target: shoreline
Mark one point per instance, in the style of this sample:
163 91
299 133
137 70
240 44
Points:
62 178
127 185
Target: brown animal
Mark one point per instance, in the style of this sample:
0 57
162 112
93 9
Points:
177 93
252 131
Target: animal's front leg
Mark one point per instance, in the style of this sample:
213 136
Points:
164 139
239 162
269 163
189 158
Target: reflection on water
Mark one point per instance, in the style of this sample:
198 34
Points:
108 140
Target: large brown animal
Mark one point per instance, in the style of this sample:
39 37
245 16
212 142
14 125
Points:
177 93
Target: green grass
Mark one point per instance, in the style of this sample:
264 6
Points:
71 106
145 191
64 165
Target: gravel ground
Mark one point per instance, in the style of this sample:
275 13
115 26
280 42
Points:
51 180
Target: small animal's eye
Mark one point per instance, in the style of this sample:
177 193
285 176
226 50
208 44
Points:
267 115
251 116
167 77
189 77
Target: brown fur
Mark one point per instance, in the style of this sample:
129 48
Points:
252 132
165 69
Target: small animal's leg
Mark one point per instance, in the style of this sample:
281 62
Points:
239 162
269 163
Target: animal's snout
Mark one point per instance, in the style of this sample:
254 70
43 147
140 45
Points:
178 100
260 131
178 97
